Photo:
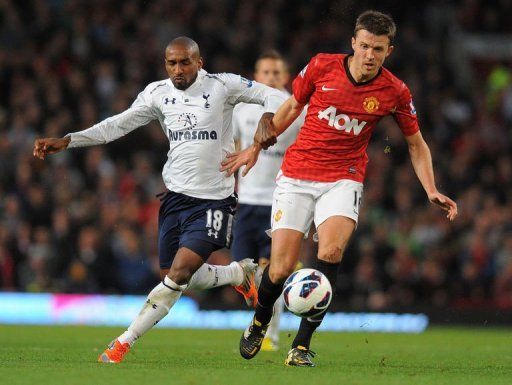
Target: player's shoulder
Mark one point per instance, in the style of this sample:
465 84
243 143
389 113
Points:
325 59
220 78
392 80
225 78
157 87
228 81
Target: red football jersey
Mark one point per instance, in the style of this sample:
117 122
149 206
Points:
340 119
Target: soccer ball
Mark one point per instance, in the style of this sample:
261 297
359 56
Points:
307 293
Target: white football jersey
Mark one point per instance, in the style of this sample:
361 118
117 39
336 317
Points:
257 187
198 124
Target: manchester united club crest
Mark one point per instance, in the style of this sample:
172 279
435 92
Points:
371 104
278 215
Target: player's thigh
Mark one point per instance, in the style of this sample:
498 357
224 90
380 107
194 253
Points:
168 241
336 216
292 215
292 209
208 226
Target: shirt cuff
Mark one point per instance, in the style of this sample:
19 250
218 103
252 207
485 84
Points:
273 103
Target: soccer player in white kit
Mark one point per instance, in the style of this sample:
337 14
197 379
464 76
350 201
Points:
195 110
255 190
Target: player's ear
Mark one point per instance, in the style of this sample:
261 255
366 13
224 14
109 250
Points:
390 49
200 63
353 43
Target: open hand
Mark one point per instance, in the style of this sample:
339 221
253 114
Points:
247 158
445 204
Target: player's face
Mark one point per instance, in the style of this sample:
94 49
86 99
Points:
272 73
370 51
182 65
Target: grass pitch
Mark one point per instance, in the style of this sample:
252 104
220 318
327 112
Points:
67 355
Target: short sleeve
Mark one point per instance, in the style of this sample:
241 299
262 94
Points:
405 112
303 85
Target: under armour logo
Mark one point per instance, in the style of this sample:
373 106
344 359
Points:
167 101
213 233
205 97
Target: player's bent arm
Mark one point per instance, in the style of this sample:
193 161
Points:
286 114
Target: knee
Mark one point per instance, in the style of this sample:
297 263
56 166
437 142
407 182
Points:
279 273
331 253
180 274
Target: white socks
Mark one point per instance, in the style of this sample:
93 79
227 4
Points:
273 328
163 297
208 276
158 304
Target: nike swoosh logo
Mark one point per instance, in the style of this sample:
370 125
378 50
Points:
324 88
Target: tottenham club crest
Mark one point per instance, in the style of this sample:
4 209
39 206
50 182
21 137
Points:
206 103
371 104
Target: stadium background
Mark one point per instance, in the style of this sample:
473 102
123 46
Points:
85 221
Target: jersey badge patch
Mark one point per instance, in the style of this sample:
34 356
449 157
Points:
371 104
246 81
205 97
278 215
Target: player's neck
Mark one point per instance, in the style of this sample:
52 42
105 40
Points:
356 73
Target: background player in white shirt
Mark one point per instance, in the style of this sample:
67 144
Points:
255 189
195 110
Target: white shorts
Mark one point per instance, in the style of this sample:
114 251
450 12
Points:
296 202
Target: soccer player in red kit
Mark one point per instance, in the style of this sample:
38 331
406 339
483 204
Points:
321 178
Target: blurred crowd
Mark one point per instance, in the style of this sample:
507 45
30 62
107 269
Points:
85 221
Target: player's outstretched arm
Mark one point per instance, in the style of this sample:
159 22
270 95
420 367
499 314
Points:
422 163
287 114
266 135
47 146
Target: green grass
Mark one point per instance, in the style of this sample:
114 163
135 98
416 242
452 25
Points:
67 355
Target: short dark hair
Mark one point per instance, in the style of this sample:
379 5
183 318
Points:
270 54
377 23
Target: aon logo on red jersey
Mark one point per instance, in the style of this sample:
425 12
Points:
341 122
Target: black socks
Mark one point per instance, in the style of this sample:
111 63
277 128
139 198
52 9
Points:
309 325
268 293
